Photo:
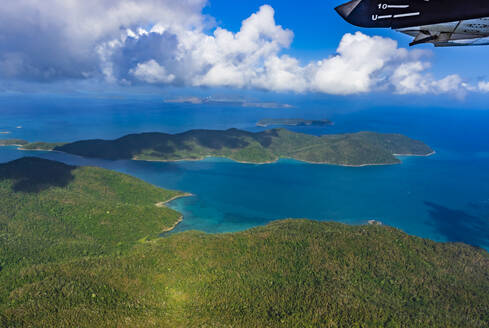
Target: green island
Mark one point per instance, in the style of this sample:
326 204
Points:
13 142
26 145
292 121
355 149
46 146
80 247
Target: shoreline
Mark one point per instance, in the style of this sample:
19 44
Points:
416 155
23 149
201 159
304 123
245 162
183 195
273 162
19 147
165 203
12 145
174 226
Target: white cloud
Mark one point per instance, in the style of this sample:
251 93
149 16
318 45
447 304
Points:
410 78
282 74
167 42
152 72
58 39
228 59
483 86
451 83
358 65
252 58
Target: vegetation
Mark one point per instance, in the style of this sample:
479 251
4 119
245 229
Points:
78 251
293 122
12 142
41 146
52 212
26 145
362 148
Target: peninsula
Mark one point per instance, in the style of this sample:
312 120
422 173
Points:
292 122
356 149
79 247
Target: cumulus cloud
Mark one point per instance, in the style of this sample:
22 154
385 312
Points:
358 65
167 42
483 86
411 78
152 72
58 39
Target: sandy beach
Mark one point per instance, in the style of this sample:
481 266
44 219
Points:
164 204
275 161
415 155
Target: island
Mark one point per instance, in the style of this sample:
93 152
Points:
26 145
79 247
355 149
292 122
228 102
45 146
13 142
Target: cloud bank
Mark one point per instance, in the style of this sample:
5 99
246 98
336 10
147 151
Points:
167 42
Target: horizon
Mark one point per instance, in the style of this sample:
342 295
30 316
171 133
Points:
315 51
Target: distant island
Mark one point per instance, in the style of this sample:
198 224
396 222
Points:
26 145
46 146
80 247
13 142
225 101
292 122
356 149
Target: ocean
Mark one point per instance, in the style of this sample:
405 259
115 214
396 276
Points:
444 197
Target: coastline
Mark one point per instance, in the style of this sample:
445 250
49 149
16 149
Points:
286 122
174 226
252 163
271 162
201 159
165 203
19 147
12 145
416 155
293 125
23 149
183 195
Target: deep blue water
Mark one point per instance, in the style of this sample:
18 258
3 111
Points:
444 197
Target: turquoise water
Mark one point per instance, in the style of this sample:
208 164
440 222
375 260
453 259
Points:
444 197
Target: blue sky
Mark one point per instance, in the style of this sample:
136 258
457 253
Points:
318 30
198 47
316 26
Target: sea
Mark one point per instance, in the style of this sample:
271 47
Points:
444 197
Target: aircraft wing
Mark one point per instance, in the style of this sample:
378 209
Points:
440 22
461 33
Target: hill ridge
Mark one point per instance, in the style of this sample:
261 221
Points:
351 149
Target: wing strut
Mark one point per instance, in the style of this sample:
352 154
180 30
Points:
424 40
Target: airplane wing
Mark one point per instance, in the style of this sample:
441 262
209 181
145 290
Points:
442 23
461 33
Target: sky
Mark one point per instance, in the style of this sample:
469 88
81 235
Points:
281 47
